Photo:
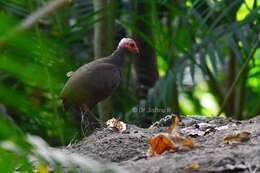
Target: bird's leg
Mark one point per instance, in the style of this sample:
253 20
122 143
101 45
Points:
82 123
85 107
94 121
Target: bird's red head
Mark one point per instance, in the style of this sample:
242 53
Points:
129 44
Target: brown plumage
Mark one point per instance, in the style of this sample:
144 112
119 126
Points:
95 81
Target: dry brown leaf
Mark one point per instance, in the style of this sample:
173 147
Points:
192 167
239 137
171 140
116 124
160 143
180 140
175 123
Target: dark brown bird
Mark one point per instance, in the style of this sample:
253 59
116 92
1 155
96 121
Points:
95 81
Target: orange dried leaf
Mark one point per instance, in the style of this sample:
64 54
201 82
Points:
188 143
240 137
175 123
180 140
169 141
159 143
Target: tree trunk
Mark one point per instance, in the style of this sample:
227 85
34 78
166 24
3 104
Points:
231 108
104 36
230 79
174 102
241 98
146 65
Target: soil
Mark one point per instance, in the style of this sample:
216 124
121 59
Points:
128 149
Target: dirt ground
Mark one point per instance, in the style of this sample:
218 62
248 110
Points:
128 149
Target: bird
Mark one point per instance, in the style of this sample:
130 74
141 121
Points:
96 80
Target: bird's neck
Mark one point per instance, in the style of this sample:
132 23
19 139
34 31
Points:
118 57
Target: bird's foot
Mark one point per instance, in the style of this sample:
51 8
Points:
82 123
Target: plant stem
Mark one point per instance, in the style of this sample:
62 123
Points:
241 72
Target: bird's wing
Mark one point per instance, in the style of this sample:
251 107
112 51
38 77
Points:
93 81
103 76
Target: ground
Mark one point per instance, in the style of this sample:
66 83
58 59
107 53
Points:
128 149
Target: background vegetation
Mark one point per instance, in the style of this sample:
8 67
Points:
197 57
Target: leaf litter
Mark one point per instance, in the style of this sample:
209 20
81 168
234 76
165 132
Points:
172 140
238 137
114 123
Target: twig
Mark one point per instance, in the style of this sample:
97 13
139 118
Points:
241 72
31 20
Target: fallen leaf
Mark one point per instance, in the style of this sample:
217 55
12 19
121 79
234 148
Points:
160 143
239 137
116 124
175 123
171 140
180 140
192 167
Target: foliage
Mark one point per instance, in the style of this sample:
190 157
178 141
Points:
27 153
195 42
